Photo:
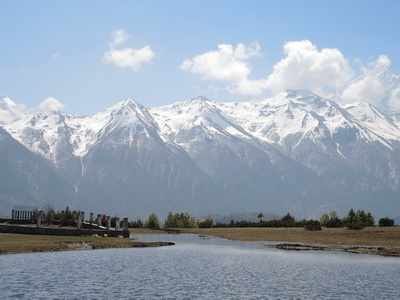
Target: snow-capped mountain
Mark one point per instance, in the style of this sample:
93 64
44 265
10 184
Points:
10 111
294 152
379 87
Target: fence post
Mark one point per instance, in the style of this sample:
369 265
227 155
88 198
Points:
79 223
125 223
39 219
108 226
117 225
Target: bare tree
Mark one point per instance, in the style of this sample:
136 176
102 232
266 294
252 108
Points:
48 211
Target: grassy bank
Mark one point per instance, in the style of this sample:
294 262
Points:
370 236
372 240
21 243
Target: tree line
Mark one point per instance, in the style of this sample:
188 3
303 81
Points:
355 220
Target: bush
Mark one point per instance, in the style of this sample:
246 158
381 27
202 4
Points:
207 223
136 224
288 221
153 222
312 225
331 221
359 220
385 222
183 220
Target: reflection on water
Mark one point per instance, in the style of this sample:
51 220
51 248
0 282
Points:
198 268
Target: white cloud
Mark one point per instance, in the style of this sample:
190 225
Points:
394 101
382 62
306 67
369 87
327 72
227 64
119 38
248 87
10 111
7 117
50 104
126 57
303 67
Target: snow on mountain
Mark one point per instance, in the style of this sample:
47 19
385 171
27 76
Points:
179 119
295 145
382 124
286 122
272 120
42 132
378 87
10 111
128 115
391 80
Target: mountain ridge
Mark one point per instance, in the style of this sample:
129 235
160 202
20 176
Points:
294 152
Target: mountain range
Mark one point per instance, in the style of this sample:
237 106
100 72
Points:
295 152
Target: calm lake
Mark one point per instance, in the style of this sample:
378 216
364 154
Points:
198 268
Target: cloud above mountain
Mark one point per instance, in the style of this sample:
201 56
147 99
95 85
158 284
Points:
50 104
370 86
306 67
394 101
325 71
302 67
10 111
126 57
229 64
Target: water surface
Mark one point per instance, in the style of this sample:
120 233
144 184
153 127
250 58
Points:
198 268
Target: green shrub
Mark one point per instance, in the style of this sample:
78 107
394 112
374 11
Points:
207 223
331 221
358 220
182 220
153 222
385 222
312 225
136 224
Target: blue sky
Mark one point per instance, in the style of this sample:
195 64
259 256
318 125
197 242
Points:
86 56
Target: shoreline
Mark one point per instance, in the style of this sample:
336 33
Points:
372 250
384 241
373 240
20 243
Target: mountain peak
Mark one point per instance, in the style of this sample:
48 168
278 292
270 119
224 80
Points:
298 93
10 111
293 147
128 104
388 76
6 103
200 99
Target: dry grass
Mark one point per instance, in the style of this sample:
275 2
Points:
21 243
